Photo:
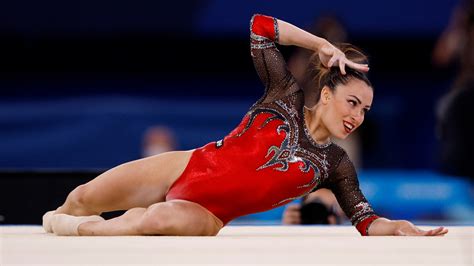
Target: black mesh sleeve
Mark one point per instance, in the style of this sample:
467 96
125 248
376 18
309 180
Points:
345 186
270 65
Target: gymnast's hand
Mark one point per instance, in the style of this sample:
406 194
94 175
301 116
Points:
406 228
328 53
330 56
386 227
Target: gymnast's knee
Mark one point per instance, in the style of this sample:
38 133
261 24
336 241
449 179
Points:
79 201
158 220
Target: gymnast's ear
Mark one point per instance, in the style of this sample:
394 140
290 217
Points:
326 95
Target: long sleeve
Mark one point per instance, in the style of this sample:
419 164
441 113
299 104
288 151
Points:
345 186
268 61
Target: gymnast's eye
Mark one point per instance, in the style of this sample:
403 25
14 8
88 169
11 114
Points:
352 102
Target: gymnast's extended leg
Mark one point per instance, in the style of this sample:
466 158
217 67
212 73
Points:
176 217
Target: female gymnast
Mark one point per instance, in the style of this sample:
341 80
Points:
280 151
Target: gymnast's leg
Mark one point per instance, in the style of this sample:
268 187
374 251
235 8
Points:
139 183
176 218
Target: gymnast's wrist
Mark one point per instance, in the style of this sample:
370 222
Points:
382 227
319 43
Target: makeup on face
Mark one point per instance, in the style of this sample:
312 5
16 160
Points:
354 102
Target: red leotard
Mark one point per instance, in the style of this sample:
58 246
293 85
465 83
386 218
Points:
270 159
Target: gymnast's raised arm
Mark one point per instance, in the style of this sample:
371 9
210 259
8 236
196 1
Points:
265 31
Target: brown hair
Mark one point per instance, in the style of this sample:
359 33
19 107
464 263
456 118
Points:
319 76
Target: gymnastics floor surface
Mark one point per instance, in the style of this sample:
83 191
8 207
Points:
237 245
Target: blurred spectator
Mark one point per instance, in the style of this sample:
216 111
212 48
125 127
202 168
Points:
319 207
455 130
158 139
454 111
456 43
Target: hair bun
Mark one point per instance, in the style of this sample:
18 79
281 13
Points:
319 75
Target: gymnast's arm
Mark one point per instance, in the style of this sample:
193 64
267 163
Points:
345 185
328 53
265 31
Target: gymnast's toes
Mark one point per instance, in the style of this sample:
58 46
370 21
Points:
47 217
67 225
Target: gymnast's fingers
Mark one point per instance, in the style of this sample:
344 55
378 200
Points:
342 66
440 231
356 66
332 60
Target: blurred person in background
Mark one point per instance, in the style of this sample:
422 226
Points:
281 150
319 207
454 110
157 140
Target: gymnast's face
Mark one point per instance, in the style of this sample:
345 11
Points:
345 107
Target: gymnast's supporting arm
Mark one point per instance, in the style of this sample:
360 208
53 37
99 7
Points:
345 185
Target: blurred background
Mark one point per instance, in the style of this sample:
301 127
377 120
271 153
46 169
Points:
87 85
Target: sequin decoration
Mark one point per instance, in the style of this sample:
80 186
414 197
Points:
363 209
285 153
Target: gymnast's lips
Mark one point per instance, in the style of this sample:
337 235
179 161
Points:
349 127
